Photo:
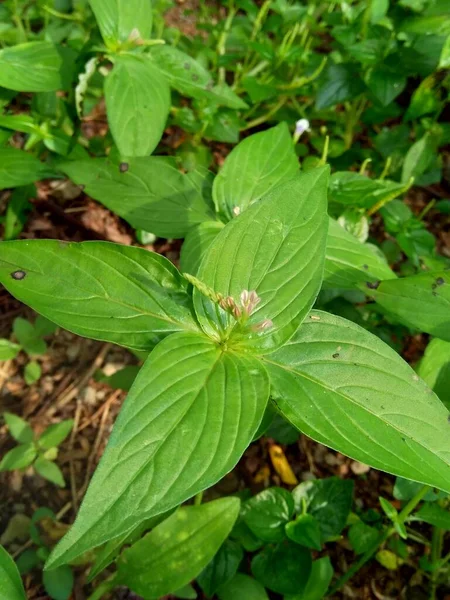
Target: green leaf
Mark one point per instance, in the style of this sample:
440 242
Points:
19 457
434 368
188 418
385 84
152 194
349 262
19 168
328 501
28 338
362 537
197 242
242 587
18 428
32 372
283 568
31 67
178 549
420 301
222 568
419 157
17 211
341 82
276 247
8 350
121 294
318 582
346 389
405 490
11 587
58 583
138 103
388 509
190 78
305 530
122 379
253 168
349 188
434 515
50 471
117 19
186 592
267 513
55 434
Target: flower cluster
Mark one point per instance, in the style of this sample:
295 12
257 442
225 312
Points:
249 300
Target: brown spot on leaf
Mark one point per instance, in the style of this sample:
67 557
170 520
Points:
18 275
123 167
440 281
373 285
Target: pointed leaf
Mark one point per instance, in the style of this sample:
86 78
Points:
50 471
152 194
138 103
242 587
19 168
434 368
188 418
58 583
222 567
117 19
31 67
104 291
11 587
18 428
256 165
421 301
55 434
8 350
197 242
346 389
176 551
348 261
19 457
276 247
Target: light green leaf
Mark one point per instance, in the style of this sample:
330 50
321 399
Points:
138 103
19 457
31 67
18 428
55 434
104 291
434 515
253 168
178 549
197 242
242 587
152 194
346 389
419 157
434 368
19 168
354 189
190 78
8 350
188 418
50 471
27 337
276 247
421 301
349 262
11 587
117 19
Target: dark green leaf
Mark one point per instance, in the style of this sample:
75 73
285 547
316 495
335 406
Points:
138 103
267 513
276 248
362 537
342 82
385 84
18 428
31 67
242 587
345 388
253 168
283 568
105 291
222 568
17 211
405 490
178 549
318 582
188 418
305 530
434 515
421 301
58 583
152 194
11 587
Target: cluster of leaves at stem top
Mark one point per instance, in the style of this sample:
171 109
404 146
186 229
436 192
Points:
240 331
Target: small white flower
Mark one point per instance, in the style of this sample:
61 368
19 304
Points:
301 126
236 211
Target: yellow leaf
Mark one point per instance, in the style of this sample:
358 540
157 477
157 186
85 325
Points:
281 465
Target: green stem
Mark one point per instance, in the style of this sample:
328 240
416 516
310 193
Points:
437 542
104 587
404 513
198 499
267 115
223 38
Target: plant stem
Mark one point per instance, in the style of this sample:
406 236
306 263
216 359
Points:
437 541
404 513
198 499
104 587
223 38
267 115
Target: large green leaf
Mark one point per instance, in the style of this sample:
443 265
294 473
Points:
348 261
11 587
31 67
104 291
152 194
276 247
188 418
434 368
138 103
197 242
117 19
178 549
190 78
421 301
19 168
255 166
345 388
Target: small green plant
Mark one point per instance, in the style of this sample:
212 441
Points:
41 452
